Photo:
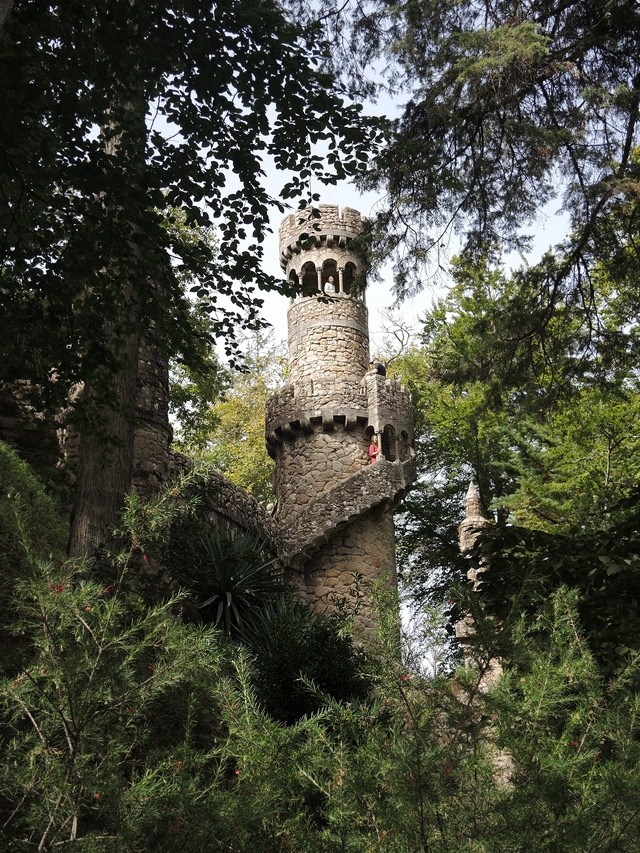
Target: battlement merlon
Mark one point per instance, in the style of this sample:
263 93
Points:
300 408
388 404
332 227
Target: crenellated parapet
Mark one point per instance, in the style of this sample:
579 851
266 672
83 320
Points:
317 250
318 430
375 405
334 508
390 414
312 227
321 392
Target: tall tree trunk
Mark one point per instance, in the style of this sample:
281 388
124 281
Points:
104 472
5 11
105 467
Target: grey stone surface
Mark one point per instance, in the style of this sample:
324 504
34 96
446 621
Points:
378 486
333 516
334 509
229 506
303 236
330 336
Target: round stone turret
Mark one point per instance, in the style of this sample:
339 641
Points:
317 252
334 509
328 336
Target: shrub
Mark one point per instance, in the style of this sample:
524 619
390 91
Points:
300 659
28 516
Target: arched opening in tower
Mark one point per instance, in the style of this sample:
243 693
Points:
369 433
350 272
309 279
330 281
389 444
404 446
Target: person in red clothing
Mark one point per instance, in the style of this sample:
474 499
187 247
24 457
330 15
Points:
374 450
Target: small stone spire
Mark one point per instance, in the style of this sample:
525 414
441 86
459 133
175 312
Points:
474 520
472 503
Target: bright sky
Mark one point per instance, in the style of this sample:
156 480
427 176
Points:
379 296
548 231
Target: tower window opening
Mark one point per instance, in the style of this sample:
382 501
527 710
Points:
389 444
349 274
330 278
405 445
309 280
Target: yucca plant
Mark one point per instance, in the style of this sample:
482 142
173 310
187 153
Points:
232 579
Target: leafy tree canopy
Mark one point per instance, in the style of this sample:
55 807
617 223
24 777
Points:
227 431
544 423
509 106
111 115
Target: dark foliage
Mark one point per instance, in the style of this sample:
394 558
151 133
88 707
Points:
301 659
523 568
92 167
26 511
508 106
231 579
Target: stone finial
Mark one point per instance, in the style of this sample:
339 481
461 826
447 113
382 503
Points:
472 503
474 520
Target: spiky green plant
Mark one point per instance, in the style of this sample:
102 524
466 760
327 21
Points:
232 579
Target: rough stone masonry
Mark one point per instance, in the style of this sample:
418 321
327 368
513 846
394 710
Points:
334 509
334 512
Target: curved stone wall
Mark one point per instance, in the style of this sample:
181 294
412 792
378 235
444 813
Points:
229 506
306 399
365 546
310 465
331 225
328 338
378 486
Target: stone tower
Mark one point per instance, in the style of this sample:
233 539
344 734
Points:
334 509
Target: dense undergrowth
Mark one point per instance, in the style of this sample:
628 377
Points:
125 727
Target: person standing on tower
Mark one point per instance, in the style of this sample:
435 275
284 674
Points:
374 450
378 367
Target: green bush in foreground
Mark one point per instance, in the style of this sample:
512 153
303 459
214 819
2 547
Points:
107 728
301 661
123 730
27 515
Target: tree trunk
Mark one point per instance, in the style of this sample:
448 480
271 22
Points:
105 467
5 11
104 472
